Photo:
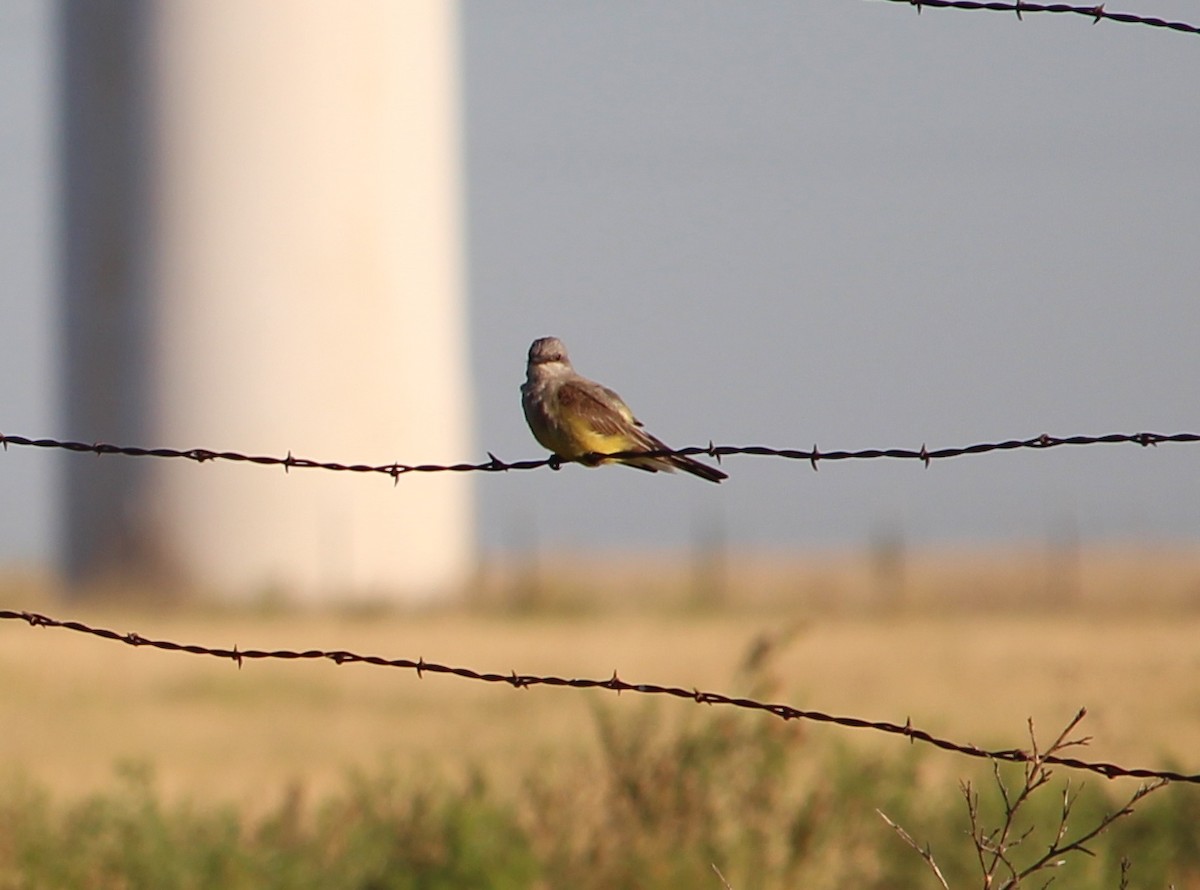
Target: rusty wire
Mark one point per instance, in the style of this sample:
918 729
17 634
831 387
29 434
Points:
495 465
1020 7
614 684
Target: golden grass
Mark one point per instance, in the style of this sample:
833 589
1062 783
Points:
75 706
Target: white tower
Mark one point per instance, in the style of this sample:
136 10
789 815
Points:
262 253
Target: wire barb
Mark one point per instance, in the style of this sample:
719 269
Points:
616 684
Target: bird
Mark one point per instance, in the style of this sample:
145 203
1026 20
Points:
581 420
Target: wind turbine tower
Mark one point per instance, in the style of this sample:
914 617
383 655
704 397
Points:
262 252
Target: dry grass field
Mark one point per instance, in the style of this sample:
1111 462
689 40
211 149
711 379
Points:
132 767
944 646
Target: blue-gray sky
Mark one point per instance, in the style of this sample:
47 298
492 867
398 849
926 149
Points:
781 223
27 373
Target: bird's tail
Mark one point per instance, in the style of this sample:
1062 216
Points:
677 461
704 471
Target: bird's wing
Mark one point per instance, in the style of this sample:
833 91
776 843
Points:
604 411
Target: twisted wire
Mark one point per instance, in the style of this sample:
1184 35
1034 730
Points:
615 684
813 456
1020 7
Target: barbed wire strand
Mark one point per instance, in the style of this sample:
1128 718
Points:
814 456
1020 7
614 684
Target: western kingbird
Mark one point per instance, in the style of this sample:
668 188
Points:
577 418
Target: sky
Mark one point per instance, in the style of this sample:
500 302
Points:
779 223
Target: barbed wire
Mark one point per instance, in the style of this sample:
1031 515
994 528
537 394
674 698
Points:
495 465
1020 7
614 684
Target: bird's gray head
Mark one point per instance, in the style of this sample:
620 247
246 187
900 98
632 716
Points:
548 351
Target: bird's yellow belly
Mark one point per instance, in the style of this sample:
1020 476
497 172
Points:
575 440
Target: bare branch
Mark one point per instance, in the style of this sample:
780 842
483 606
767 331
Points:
724 882
924 852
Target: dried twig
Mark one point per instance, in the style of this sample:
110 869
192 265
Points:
996 848
925 852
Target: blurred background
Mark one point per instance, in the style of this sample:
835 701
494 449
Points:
773 223
333 230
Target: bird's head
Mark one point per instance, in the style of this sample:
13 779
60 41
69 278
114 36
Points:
548 353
